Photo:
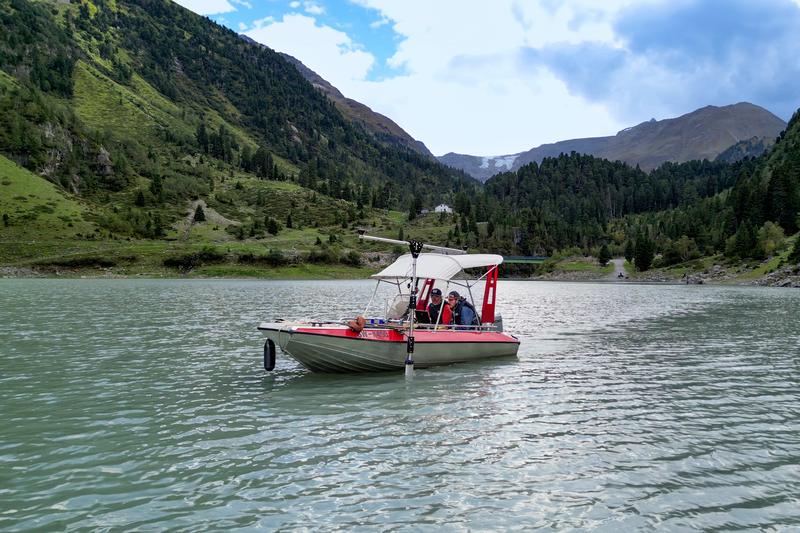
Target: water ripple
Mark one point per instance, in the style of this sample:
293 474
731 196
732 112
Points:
142 405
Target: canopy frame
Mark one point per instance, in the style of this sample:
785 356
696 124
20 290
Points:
466 283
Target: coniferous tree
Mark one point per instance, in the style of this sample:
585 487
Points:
157 187
744 242
644 252
202 137
199 214
604 256
629 251
794 256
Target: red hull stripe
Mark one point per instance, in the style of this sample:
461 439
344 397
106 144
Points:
391 335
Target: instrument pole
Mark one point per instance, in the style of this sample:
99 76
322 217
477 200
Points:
416 248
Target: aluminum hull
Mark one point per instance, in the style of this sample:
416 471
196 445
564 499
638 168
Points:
337 349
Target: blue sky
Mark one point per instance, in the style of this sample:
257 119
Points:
365 27
501 76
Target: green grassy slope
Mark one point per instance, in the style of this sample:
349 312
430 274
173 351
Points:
37 209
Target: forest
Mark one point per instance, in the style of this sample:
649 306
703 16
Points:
679 210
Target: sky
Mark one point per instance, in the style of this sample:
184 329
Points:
498 77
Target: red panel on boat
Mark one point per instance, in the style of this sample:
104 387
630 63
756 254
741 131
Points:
391 335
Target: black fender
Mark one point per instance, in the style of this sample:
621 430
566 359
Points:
269 355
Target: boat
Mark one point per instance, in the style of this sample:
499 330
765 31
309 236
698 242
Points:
398 338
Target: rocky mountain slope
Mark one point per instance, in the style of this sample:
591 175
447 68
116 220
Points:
381 126
702 134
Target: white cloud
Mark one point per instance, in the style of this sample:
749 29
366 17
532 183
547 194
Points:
207 7
465 89
328 52
242 26
384 21
313 8
258 23
294 5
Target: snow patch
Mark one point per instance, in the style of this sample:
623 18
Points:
505 161
499 161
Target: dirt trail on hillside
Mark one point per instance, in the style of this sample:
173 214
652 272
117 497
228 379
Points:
619 267
185 226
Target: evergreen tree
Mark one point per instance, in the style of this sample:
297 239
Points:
202 137
289 220
158 227
743 244
416 207
156 187
139 202
629 251
644 252
6 221
794 256
604 256
272 226
199 214
246 158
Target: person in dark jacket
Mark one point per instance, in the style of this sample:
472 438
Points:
435 306
435 309
463 314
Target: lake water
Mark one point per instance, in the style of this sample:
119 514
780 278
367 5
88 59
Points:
143 405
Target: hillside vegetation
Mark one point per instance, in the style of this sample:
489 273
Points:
139 111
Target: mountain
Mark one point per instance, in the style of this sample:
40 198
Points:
381 126
702 134
117 101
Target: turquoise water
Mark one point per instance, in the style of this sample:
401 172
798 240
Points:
142 404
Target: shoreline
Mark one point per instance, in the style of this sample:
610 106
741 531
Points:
788 279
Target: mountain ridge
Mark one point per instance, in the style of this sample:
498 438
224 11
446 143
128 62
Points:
704 133
381 126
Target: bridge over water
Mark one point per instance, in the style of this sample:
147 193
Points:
524 259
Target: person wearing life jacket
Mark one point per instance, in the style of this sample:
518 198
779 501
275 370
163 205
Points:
463 313
435 308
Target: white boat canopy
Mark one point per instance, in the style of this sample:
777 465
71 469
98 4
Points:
437 266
